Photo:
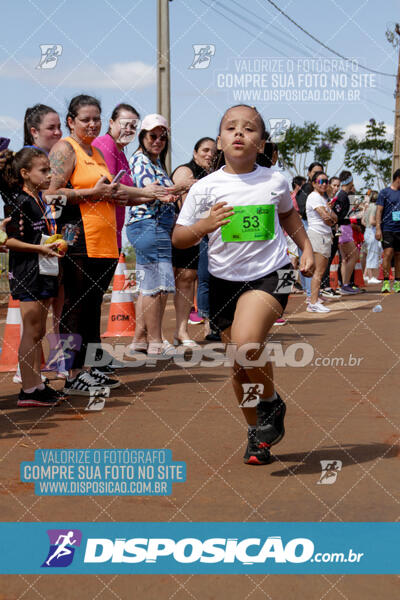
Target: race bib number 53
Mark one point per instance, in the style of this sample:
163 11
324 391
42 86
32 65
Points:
250 224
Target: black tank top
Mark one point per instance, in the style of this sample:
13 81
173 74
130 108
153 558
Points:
198 172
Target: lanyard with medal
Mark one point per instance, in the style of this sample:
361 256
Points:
48 265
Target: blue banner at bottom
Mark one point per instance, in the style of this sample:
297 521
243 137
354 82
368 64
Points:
199 548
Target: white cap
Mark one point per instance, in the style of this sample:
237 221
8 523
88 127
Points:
152 121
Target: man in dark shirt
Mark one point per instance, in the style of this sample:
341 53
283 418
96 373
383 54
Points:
388 231
307 188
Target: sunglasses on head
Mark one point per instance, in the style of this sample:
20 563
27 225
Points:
163 137
321 181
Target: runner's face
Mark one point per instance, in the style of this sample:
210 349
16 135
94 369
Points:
38 176
48 133
205 154
155 140
123 129
87 124
240 135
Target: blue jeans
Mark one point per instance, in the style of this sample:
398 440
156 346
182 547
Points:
203 277
151 239
305 281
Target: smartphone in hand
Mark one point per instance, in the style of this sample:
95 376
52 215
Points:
4 143
119 176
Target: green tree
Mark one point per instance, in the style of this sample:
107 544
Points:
303 144
371 157
130 256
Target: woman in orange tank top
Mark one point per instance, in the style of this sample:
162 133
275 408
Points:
80 174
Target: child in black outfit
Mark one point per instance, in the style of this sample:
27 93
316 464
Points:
30 280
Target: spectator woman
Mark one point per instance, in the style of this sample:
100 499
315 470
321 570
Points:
186 262
372 246
320 219
334 187
149 228
121 132
42 127
80 173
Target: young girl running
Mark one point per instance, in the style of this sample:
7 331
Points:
248 261
28 284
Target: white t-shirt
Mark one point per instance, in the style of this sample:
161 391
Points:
240 261
315 222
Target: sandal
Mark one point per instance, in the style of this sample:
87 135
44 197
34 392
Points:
136 347
160 350
187 343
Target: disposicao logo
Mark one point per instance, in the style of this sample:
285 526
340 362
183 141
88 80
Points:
191 550
62 547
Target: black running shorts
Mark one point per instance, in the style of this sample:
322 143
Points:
391 239
225 294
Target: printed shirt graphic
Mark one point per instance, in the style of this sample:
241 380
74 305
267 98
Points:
145 172
24 266
250 260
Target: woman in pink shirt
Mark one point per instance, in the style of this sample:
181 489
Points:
122 130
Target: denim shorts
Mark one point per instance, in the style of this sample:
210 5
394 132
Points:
151 239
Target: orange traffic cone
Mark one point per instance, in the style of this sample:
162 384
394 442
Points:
333 273
358 276
121 320
11 338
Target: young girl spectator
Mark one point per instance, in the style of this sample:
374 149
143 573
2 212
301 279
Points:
320 219
42 129
29 282
247 260
348 249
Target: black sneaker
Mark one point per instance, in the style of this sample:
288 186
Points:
214 336
330 293
106 370
111 364
81 384
37 398
255 455
103 379
270 422
52 393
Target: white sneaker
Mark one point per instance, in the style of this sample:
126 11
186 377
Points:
319 301
317 307
373 280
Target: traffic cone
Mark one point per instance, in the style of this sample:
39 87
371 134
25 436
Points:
121 320
333 273
358 276
11 337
